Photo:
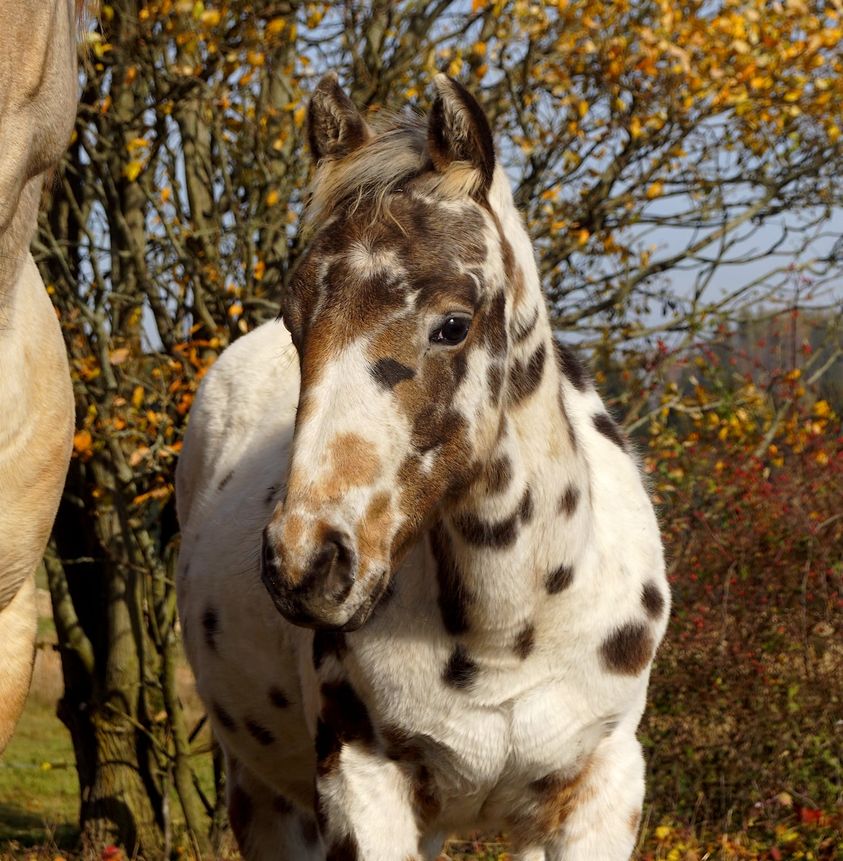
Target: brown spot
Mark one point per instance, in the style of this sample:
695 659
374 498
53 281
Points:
278 698
521 330
226 478
525 377
211 627
354 463
461 670
569 500
559 579
525 509
435 427
240 813
571 367
500 534
400 745
495 381
628 650
498 475
494 326
652 600
606 425
225 720
525 642
389 373
453 599
556 797
259 732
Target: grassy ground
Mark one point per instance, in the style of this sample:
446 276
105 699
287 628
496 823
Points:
39 791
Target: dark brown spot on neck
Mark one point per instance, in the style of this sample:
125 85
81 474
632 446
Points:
606 425
460 671
559 579
569 500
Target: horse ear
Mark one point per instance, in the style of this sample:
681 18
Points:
457 130
334 125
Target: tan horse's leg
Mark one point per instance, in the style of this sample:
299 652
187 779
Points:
18 624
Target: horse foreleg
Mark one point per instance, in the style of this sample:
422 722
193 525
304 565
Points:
18 625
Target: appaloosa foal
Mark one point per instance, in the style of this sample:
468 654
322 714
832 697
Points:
38 93
452 523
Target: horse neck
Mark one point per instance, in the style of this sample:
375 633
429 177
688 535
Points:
529 515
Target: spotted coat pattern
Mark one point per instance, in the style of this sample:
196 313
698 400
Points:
421 580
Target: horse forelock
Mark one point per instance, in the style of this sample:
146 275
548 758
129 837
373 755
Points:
395 154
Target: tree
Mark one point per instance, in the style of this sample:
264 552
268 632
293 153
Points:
172 230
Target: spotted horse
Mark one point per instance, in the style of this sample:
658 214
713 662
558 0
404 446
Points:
421 581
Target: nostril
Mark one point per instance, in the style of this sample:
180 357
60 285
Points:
335 563
339 542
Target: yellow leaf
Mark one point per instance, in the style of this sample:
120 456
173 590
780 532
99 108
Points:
298 115
132 170
477 5
582 236
272 197
82 441
259 270
166 192
235 310
479 49
276 26
118 356
635 127
210 18
255 58
655 190
137 397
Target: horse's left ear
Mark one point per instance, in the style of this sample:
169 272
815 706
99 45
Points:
457 130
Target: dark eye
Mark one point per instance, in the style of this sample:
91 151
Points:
451 332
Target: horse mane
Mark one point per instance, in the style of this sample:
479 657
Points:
395 153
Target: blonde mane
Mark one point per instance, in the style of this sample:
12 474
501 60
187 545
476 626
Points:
395 153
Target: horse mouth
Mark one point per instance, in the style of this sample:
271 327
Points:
295 610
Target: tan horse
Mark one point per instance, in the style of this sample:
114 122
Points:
38 95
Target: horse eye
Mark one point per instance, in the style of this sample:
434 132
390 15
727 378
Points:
453 331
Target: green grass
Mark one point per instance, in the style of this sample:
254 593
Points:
39 790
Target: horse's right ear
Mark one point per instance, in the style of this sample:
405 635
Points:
334 125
